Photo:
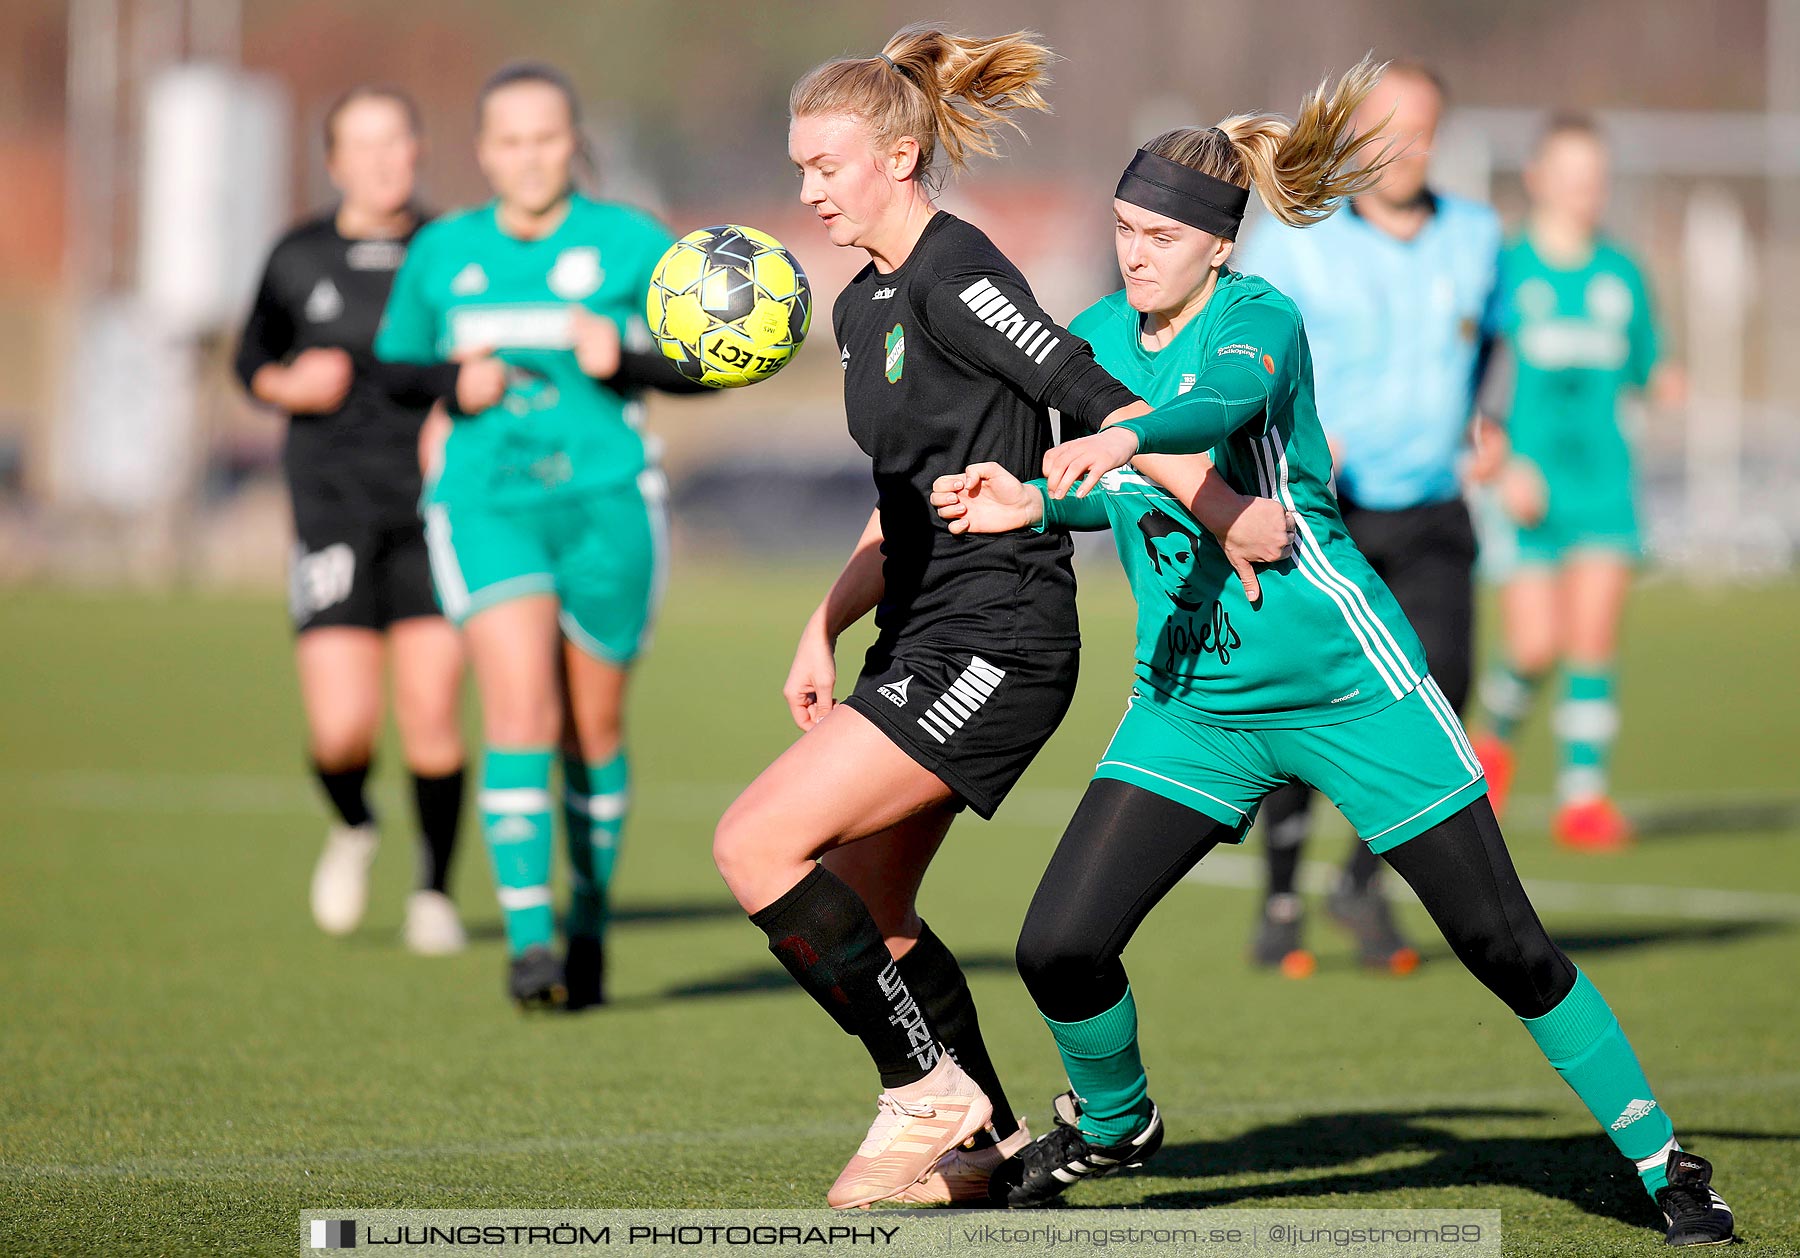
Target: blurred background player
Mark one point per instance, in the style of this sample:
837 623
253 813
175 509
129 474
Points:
1579 334
546 521
360 585
1397 296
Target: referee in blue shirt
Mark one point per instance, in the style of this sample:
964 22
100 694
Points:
1398 292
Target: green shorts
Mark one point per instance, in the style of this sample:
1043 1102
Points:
1393 773
1607 527
1584 512
603 555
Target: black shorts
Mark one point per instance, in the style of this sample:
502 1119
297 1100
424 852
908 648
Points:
358 571
973 716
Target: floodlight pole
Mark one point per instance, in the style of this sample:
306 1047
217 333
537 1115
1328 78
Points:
1781 53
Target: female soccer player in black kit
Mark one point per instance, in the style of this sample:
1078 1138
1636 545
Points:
360 585
947 359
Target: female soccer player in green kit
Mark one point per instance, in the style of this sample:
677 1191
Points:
545 521
1578 325
1321 681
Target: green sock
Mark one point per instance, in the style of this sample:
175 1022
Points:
1586 722
1582 1039
595 799
1506 698
515 821
1101 1056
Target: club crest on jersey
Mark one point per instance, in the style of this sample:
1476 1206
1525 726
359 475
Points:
324 303
469 281
896 354
1536 299
1609 300
577 273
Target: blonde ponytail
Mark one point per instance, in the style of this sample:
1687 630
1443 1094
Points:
1302 168
946 91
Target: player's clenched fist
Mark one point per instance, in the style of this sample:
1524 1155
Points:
1087 459
986 498
317 381
480 382
811 678
597 345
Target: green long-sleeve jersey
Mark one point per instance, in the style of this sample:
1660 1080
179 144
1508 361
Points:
1327 642
467 285
1581 337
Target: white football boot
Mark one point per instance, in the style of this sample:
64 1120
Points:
340 882
433 928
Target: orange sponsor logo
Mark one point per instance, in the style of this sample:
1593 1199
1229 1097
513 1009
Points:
1268 364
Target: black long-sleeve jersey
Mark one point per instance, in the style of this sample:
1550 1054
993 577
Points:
948 361
323 290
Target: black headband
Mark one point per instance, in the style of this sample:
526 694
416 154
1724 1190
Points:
1184 194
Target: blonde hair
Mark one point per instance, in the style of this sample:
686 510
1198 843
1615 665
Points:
946 91
1301 167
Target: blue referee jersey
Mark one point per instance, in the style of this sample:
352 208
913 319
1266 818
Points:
1396 329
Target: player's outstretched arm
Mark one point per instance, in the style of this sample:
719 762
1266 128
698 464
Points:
605 354
1228 394
410 384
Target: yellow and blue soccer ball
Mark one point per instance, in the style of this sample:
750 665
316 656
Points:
729 305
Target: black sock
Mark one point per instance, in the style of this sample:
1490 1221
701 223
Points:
937 982
822 932
1287 815
439 804
1361 867
345 790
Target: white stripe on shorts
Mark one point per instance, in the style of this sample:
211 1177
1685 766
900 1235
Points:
1136 768
1440 709
654 487
452 590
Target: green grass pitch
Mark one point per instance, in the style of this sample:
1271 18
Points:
185 1062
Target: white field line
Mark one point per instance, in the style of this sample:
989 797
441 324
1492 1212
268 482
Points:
128 790
1704 904
215 794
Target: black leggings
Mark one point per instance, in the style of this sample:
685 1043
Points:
1126 847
